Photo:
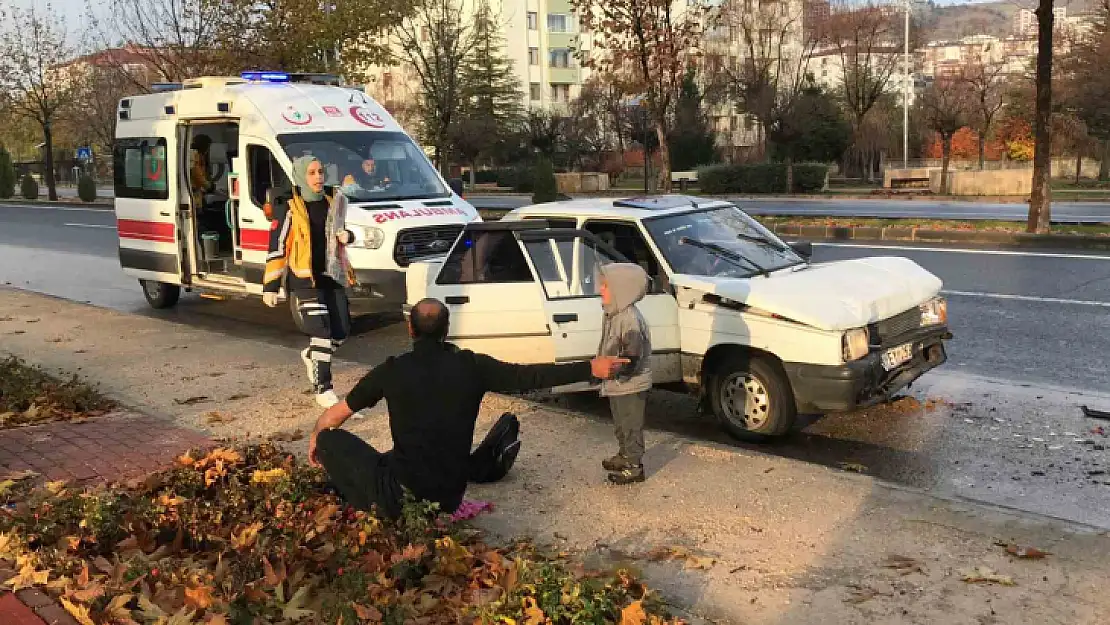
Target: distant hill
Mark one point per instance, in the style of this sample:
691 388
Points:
986 18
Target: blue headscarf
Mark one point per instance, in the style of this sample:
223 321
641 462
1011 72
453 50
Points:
300 178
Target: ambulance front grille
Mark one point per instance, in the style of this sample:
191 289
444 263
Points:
416 243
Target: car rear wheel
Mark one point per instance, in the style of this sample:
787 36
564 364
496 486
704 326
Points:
159 294
752 399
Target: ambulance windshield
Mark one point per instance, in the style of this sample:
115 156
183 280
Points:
369 166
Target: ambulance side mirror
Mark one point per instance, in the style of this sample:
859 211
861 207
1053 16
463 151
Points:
456 185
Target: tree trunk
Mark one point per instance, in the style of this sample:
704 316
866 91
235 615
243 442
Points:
982 150
1104 164
473 166
946 153
51 184
789 175
664 173
1078 164
1040 200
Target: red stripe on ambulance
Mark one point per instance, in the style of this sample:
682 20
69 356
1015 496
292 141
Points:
157 231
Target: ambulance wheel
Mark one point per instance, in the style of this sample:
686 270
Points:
751 397
295 310
159 294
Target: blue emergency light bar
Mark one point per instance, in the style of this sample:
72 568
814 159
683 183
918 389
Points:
258 76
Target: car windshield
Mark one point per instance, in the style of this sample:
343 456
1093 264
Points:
369 166
701 243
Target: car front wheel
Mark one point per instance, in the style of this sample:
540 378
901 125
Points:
751 398
159 294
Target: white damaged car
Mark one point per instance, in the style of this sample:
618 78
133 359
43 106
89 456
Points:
737 316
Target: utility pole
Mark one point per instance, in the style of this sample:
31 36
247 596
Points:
906 92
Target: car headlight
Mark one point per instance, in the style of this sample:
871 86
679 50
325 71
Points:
934 312
857 344
367 237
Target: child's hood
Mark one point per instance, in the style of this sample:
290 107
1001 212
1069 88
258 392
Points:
628 283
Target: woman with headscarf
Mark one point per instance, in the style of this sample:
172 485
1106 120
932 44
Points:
307 241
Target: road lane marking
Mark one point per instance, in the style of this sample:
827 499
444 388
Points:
951 250
106 226
1029 298
80 209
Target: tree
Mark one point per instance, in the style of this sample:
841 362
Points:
436 42
543 132
812 129
545 187
944 110
100 90
1090 83
983 79
866 39
177 39
34 83
7 175
1040 200
653 41
775 51
691 142
491 93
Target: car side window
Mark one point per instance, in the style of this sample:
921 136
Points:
627 239
554 260
265 173
485 257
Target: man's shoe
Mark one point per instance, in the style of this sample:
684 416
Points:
617 463
507 457
630 475
327 399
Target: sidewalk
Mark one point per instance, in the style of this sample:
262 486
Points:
770 539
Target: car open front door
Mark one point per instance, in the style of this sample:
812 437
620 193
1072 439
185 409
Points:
496 304
566 262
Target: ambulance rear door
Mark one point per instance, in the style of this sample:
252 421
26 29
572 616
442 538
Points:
147 203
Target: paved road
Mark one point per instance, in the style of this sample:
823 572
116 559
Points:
1037 319
1062 212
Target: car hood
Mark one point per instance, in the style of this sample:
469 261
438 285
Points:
830 296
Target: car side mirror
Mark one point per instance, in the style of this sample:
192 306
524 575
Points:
456 185
803 249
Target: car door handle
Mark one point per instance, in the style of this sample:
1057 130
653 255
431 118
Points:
565 317
164 214
248 221
457 299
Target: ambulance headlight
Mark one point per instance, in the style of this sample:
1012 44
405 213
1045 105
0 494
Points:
367 237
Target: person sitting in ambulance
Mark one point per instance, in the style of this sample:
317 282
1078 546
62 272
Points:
366 179
307 240
198 169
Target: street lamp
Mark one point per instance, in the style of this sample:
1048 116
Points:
906 92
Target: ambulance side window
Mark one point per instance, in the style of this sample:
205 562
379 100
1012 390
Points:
139 165
265 173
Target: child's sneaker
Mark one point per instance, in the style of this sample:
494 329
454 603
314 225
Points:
617 463
631 475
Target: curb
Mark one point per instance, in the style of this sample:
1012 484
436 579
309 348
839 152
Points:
928 235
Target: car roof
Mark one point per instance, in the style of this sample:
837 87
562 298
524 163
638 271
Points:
631 208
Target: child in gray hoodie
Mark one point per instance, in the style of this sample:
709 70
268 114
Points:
625 334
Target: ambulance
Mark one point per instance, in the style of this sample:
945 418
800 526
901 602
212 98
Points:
199 164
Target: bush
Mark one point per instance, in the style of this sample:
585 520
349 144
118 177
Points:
519 179
759 178
809 177
545 188
486 176
7 175
29 188
86 189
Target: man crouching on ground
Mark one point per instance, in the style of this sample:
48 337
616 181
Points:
433 393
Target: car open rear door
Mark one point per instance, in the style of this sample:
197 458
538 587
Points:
150 245
495 301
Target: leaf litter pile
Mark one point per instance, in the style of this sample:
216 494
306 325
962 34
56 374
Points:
29 396
249 536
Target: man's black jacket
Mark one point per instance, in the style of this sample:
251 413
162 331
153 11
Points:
434 393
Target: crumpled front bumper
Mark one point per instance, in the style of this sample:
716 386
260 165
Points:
825 388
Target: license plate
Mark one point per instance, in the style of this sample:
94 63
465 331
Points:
897 356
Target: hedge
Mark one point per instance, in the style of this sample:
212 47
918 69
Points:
760 178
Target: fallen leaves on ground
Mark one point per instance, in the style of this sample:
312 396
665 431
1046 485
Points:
1022 552
31 396
903 564
689 558
250 535
215 417
190 401
985 575
854 467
